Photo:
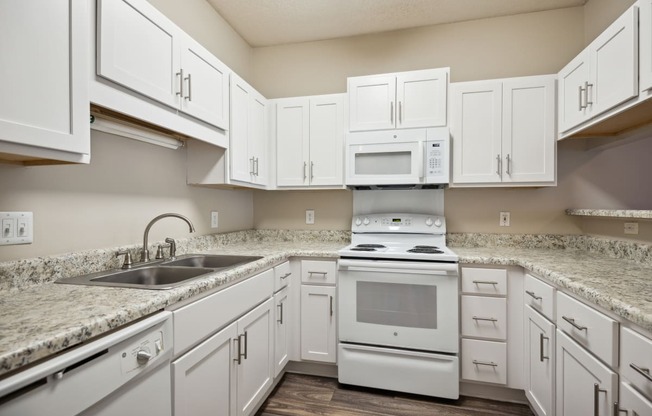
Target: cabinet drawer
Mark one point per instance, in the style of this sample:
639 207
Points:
633 402
319 272
484 281
635 359
196 321
540 296
484 361
281 274
484 317
596 332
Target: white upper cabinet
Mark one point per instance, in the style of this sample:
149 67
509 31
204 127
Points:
604 75
401 100
248 135
310 141
645 45
504 131
141 49
44 111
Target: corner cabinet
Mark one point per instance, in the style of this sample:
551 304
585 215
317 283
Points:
248 150
397 101
603 75
44 113
310 141
503 132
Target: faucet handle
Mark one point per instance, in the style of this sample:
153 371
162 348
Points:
128 261
159 251
173 246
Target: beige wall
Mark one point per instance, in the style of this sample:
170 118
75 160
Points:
598 14
109 202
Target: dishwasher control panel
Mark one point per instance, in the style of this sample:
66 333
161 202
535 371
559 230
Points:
142 351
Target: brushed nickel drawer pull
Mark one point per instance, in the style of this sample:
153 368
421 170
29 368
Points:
477 318
280 320
541 356
322 273
529 292
596 399
286 275
645 372
572 322
487 363
484 282
238 359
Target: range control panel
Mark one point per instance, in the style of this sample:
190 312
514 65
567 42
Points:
406 223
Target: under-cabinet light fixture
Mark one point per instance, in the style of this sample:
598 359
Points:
135 132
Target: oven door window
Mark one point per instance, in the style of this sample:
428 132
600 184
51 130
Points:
395 304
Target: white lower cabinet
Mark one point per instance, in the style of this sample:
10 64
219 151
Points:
584 384
632 402
318 323
539 362
281 330
484 361
229 373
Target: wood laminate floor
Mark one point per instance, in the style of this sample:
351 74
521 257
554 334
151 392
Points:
301 395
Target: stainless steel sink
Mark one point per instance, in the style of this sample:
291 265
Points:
213 261
162 274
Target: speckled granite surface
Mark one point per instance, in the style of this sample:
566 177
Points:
38 318
612 213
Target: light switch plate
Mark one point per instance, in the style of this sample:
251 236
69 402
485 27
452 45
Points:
17 228
631 228
214 219
310 216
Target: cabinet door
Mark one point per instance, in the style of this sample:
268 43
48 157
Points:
614 69
327 139
372 102
573 81
281 332
318 340
421 98
582 381
256 363
138 48
241 164
476 131
45 74
529 139
292 132
633 403
645 45
205 85
204 377
258 138
539 362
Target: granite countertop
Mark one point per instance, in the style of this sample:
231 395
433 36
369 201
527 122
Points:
611 213
42 320
39 320
623 287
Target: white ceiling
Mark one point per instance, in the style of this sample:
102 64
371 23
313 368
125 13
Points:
273 22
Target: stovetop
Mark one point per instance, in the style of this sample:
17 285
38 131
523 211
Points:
393 236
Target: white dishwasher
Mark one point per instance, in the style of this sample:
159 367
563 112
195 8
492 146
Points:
124 373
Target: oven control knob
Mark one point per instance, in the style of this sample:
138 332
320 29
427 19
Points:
429 222
366 221
358 222
438 223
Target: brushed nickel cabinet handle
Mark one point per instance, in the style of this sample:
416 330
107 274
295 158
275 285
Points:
645 372
581 90
499 162
589 101
331 302
509 164
251 170
280 320
596 399
400 113
305 165
618 410
238 358
286 275
324 274
477 318
572 322
541 356
180 75
256 165
245 345
391 112
189 96
529 292
312 169
484 282
487 363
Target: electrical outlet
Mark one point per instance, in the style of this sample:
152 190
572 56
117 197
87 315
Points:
213 219
504 219
310 216
16 228
631 228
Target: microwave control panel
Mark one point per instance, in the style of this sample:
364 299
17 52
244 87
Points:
437 161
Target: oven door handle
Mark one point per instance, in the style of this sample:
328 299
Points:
398 266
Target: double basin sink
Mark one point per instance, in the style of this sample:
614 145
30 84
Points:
165 274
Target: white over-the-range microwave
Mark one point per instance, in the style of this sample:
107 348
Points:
398 158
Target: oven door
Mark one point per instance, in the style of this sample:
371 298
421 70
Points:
384 163
412 305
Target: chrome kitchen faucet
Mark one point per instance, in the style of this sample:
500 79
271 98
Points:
144 255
